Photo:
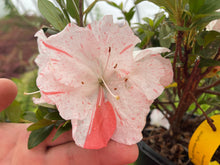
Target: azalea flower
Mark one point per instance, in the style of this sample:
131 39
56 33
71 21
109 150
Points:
91 76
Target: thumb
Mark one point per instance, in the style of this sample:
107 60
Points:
8 92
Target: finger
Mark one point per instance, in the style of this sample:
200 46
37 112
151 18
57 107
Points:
125 153
63 138
113 154
8 92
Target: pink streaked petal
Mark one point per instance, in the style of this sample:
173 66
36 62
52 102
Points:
81 68
131 111
56 49
120 39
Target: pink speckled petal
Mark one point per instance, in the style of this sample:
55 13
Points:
67 55
116 44
140 54
74 105
131 111
152 73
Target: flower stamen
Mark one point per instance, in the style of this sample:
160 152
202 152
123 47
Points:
106 86
32 93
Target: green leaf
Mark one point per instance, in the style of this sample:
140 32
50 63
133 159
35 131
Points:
53 116
210 37
158 19
204 62
114 4
30 116
203 19
13 112
165 36
129 15
211 49
209 6
73 9
62 129
195 5
52 14
40 124
38 136
42 111
149 21
168 4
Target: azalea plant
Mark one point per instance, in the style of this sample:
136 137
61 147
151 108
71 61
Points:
92 81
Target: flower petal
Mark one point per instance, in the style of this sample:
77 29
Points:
139 54
71 52
72 103
96 130
131 111
116 43
152 73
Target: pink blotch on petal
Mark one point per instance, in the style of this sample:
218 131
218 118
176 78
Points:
102 126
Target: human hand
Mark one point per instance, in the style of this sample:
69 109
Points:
14 151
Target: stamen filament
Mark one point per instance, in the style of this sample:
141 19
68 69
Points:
32 93
115 96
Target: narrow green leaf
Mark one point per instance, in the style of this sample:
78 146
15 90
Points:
114 4
149 21
38 136
62 129
40 124
158 19
53 116
52 14
73 9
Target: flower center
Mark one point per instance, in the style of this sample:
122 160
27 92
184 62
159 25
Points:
103 84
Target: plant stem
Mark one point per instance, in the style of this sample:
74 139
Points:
212 92
202 89
209 120
81 13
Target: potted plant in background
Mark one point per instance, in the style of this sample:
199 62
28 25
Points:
192 97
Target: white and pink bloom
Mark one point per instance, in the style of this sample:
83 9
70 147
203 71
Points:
90 74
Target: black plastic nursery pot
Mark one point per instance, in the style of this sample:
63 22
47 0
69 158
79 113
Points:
147 156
